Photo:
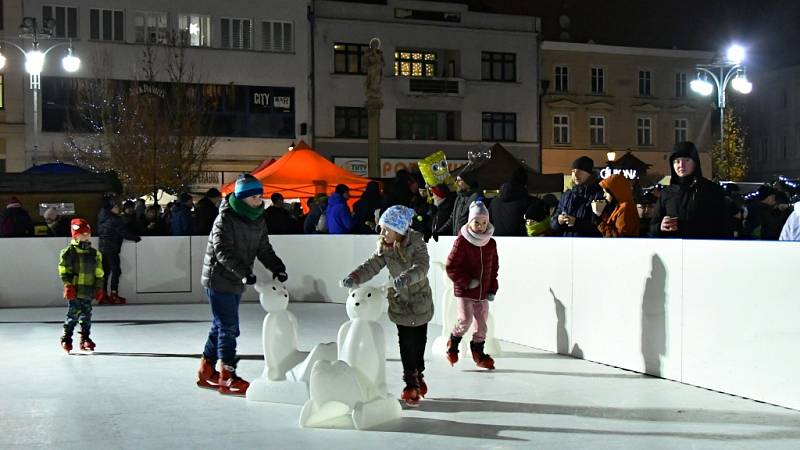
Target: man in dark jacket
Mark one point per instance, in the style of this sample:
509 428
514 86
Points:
206 211
508 209
279 220
573 216
238 237
316 212
15 221
182 221
468 192
692 206
364 209
111 231
338 216
152 224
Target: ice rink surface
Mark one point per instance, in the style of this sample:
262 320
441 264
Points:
137 392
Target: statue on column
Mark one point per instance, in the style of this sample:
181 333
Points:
374 63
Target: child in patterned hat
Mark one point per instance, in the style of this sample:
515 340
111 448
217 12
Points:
403 251
81 271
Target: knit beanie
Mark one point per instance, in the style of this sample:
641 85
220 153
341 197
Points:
397 218
584 163
477 209
78 227
440 190
247 186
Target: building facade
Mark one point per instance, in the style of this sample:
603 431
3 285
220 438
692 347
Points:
773 123
253 56
602 99
453 79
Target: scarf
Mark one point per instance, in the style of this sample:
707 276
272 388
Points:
478 240
537 228
243 209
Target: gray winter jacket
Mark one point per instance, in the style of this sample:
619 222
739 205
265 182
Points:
233 245
411 305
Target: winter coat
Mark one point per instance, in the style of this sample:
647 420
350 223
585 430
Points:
337 215
16 222
279 221
60 228
791 229
507 210
364 210
181 224
467 262
623 219
111 230
577 202
82 268
441 214
204 214
411 305
312 219
460 214
159 228
233 245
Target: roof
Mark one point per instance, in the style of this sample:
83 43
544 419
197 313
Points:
495 170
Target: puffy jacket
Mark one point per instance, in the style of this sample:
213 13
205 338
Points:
460 214
337 216
791 229
312 219
111 230
182 221
82 268
623 220
577 202
467 262
233 245
411 305
204 214
507 210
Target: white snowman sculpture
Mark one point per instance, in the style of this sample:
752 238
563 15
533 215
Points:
286 369
449 319
351 392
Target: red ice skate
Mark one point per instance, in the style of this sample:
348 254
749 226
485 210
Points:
230 383
452 349
66 344
87 345
483 360
207 375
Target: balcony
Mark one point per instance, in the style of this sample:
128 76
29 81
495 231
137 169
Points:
435 86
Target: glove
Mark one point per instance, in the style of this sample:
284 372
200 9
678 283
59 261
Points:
281 276
349 283
249 279
598 206
70 293
490 297
99 294
402 280
473 283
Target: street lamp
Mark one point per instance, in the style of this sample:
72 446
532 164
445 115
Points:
723 72
35 60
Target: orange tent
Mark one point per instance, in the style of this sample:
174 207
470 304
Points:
303 173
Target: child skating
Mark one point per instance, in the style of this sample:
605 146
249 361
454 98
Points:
81 270
403 251
473 265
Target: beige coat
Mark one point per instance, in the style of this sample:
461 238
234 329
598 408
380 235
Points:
412 305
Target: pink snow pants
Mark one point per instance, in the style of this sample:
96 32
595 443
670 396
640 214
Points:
467 310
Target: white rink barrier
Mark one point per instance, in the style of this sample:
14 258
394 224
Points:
718 314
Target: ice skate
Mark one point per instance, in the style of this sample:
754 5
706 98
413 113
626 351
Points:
483 360
230 383
452 349
207 375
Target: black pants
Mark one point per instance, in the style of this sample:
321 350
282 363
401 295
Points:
111 270
412 346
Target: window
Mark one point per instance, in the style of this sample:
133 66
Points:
2 91
645 87
561 129
498 66
236 33
195 30
66 20
644 131
349 58
562 78
681 130
414 63
277 37
499 127
597 130
351 122
150 27
598 80
425 125
106 25
680 85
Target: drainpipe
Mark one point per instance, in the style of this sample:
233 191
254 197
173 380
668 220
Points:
312 75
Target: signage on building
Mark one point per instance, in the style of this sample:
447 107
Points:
390 166
264 99
64 209
630 174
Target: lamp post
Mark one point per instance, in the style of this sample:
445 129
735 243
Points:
34 63
729 70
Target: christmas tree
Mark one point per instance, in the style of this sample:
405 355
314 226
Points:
728 160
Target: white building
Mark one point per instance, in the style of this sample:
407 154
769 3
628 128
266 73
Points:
453 80
255 54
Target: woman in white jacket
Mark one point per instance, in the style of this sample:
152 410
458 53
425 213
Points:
791 229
